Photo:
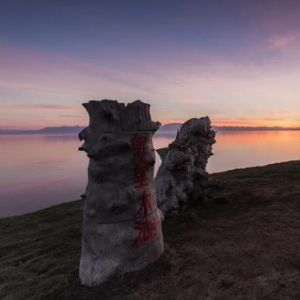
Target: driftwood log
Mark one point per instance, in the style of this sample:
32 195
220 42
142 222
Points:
121 222
182 179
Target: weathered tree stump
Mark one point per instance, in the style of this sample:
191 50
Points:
182 179
121 222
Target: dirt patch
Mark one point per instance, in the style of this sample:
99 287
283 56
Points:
244 246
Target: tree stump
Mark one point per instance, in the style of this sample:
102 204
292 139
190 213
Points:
121 221
182 179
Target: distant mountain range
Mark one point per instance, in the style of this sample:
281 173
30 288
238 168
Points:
263 128
172 127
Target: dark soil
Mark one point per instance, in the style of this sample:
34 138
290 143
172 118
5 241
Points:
244 243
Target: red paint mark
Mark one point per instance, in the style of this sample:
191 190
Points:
147 228
145 207
140 177
138 143
141 157
140 170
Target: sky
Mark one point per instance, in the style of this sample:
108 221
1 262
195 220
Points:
236 61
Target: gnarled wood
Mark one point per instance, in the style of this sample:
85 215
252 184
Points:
182 179
121 223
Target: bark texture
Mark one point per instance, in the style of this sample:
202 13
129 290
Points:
182 179
121 223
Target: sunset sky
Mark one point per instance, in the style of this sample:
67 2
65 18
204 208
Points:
237 61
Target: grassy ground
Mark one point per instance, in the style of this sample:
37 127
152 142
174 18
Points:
39 252
245 245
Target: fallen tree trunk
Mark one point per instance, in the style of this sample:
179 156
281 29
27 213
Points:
121 222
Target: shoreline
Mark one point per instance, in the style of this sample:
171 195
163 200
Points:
214 174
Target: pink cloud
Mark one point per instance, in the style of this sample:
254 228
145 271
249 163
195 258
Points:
40 71
279 41
193 101
40 107
175 86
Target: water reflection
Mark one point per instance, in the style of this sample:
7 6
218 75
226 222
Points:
254 148
41 170
38 171
161 140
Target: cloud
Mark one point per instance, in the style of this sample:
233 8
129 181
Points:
35 72
279 41
79 117
183 86
192 101
40 107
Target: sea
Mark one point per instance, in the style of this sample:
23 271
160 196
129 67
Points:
38 171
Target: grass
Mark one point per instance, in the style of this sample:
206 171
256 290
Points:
287 171
40 251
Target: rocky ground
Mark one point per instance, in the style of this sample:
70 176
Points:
244 243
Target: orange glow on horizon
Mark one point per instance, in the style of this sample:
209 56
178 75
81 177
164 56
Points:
258 123
82 120
253 138
243 123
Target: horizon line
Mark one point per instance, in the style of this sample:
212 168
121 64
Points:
241 128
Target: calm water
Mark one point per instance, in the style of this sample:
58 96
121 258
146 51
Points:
39 171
